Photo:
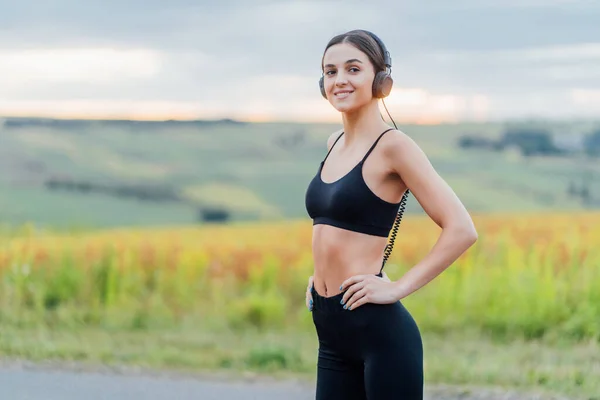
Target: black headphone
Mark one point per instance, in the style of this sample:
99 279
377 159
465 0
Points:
382 83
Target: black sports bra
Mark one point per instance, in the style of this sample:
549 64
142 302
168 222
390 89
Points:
348 202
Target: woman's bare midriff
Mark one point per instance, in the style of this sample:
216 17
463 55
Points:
339 254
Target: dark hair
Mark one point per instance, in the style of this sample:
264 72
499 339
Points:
363 42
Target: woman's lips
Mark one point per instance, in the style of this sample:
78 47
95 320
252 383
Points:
343 94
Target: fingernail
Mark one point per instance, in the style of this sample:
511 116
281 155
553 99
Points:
342 301
341 287
345 307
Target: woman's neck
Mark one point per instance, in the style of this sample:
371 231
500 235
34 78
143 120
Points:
363 123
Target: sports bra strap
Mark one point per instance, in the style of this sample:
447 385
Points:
336 140
375 144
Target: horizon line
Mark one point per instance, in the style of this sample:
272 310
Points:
410 121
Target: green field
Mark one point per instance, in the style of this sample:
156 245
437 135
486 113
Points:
255 170
518 310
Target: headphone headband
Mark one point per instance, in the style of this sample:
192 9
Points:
387 58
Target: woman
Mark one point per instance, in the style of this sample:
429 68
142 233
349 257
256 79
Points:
369 345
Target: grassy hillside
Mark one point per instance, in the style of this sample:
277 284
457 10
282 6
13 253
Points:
256 171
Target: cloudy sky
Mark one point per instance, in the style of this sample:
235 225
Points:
260 60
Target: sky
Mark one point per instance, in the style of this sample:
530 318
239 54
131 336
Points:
460 60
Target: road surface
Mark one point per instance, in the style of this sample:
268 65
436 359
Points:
18 382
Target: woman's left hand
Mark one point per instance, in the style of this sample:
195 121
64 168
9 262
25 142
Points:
368 289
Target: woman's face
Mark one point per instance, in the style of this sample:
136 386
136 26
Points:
347 77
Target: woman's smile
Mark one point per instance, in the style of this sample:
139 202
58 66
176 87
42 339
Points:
342 94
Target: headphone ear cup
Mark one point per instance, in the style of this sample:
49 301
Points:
322 87
382 84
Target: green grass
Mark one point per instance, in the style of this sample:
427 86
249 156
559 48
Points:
251 158
520 309
470 360
64 210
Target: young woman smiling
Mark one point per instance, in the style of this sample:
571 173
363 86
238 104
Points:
369 345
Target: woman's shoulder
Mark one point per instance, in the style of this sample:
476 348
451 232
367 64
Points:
397 140
333 137
401 148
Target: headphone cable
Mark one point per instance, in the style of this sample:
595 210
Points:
394 231
388 113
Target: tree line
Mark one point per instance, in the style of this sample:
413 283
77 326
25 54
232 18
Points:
532 142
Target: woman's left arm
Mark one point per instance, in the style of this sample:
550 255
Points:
439 202
443 207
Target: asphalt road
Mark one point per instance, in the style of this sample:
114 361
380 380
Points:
24 384
47 382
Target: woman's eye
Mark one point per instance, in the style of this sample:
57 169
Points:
352 69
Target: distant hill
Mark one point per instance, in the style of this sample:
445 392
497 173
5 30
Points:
94 173
11 122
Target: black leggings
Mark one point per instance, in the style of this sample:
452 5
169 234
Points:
373 352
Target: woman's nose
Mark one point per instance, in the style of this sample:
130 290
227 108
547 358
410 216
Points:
341 79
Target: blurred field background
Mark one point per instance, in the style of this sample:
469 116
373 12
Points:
518 310
70 173
185 245
154 160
